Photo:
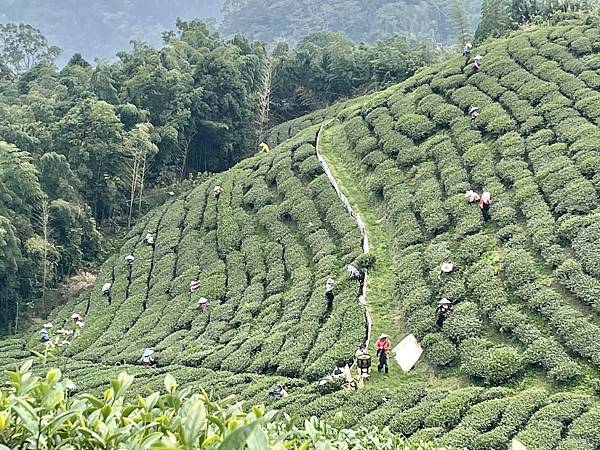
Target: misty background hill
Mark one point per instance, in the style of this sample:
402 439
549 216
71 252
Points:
100 29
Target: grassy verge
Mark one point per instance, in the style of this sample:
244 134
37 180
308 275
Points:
380 300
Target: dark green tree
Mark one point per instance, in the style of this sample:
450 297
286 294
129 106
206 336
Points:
460 21
496 19
22 47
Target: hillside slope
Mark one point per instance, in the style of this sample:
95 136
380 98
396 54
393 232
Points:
529 276
525 285
518 356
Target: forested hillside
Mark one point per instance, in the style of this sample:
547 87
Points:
359 19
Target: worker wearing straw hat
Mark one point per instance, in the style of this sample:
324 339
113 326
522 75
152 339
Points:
473 112
442 311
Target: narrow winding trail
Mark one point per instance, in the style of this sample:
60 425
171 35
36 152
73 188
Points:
342 163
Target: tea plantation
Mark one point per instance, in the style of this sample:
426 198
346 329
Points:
519 355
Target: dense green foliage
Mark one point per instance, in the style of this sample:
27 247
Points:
360 20
41 412
78 145
326 67
498 17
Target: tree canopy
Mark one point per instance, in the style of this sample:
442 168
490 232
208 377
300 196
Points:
359 19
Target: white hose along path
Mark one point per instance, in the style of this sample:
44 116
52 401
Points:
359 222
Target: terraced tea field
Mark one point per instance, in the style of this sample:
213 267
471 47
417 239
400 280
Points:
517 357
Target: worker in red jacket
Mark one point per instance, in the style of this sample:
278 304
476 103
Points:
383 347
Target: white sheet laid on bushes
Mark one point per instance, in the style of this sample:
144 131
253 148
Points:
408 352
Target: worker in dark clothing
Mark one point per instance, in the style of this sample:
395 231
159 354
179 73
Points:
442 311
484 204
467 49
279 392
473 112
329 296
329 293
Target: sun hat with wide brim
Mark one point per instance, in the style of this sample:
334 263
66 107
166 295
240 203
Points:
147 352
444 301
383 336
447 267
478 57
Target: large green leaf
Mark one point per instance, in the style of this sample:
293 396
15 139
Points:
238 439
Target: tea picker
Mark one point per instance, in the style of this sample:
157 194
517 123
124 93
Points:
382 348
473 112
442 311
76 317
147 358
194 285
484 204
202 304
467 49
445 267
353 272
149 239
44 337
106 288
329 293
130 259
279 392
472 196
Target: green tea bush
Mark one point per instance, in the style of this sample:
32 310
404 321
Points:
494 364
450 410
463 322
438 350
415 126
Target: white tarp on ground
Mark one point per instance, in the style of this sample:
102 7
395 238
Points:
408 352
517 445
